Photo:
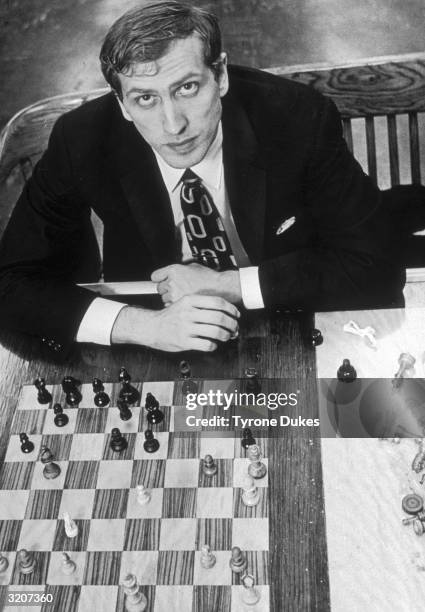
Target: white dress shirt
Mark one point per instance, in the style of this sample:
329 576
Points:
99 319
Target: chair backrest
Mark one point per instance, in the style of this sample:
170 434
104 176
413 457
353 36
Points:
382 103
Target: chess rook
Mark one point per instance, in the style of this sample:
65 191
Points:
26 562
135 600
256 469
101 398
26 445
43 396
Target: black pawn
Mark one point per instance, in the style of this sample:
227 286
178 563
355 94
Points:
72 393
155 415
125 412
101 398
252 383
247 438
315 337
60 419
128 393
150 444
43 396
188 385
26 445
118 442
346 373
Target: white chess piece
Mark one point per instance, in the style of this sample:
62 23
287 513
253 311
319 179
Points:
71 528
68 565
143 495
4 563
251 494
256 469
250 595
208 559
135 600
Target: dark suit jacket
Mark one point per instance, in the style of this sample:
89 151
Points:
284 156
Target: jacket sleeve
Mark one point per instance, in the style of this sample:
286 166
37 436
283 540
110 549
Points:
351 262
41 250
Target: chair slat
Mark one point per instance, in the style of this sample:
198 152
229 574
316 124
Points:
371 148
393 150
414 148
348 133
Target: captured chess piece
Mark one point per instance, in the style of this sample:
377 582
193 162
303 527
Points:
406 362
150 444
72 393
188 385
135 600
71 527
238 562
209 466
4 563
252 383
143 495
68 565
247 438
26 445
118 442
26 562
346 373
51 470
250 595
155 415
125 412
101 398
208 559
251 494
128 393
412 503
60 419
256 469
43 396
315 337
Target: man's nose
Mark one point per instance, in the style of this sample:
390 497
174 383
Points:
174 121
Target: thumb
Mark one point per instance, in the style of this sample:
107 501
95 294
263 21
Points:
160 275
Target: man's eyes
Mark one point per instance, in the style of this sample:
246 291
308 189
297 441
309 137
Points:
184 91
188 89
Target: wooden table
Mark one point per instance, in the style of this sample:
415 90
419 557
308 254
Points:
273 345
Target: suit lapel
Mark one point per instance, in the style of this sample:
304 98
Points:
245 177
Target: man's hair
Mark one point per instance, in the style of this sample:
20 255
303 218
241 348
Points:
144 35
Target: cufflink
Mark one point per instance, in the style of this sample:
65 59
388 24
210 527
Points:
285 225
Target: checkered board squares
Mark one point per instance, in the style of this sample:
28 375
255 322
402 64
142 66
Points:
159 542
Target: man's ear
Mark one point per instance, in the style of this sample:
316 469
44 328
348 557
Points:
223 77
123 110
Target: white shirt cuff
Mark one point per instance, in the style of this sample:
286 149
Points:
250 287
98 321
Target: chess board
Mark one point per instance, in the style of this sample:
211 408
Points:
159 542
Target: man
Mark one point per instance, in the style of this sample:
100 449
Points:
225 185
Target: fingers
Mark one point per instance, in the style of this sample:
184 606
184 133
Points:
212 332
161 274
213 317
202 344
214 303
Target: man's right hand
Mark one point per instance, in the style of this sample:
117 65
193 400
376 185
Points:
194 322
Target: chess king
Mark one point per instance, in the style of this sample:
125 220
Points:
226 186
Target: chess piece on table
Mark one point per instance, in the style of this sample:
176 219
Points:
125 412
101 398
412 503
128 393
251 494
26 445
256 469
43 396
247 438
252 383
60 419
68 565
143 495
150 444
72 393
315 337
51 470
406 362
71 527
346 372
155 415
26 562
209 466
208 559
118 442
135 600
237 561
188 385
4 564
250 595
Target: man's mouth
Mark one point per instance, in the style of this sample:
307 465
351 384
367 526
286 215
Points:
183 145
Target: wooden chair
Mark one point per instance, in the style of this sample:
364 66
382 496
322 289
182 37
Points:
382 103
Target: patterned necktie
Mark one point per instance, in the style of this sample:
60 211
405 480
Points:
205 232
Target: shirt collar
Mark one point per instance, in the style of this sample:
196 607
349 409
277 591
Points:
209 169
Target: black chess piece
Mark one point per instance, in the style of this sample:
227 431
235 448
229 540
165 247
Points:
247 438
128 393
315 337
101 398
118 442
26 445
150 444
43 396
60 419
346 373
252 383
72 393
155 415
188 385
125 412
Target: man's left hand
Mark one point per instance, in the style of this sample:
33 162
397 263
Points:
177 280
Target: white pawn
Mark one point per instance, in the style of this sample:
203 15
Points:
71 528
4 563
68 565
256 469
207 557
143 495
135 600
250 595
251 494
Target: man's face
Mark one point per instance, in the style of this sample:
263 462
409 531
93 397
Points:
175 102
